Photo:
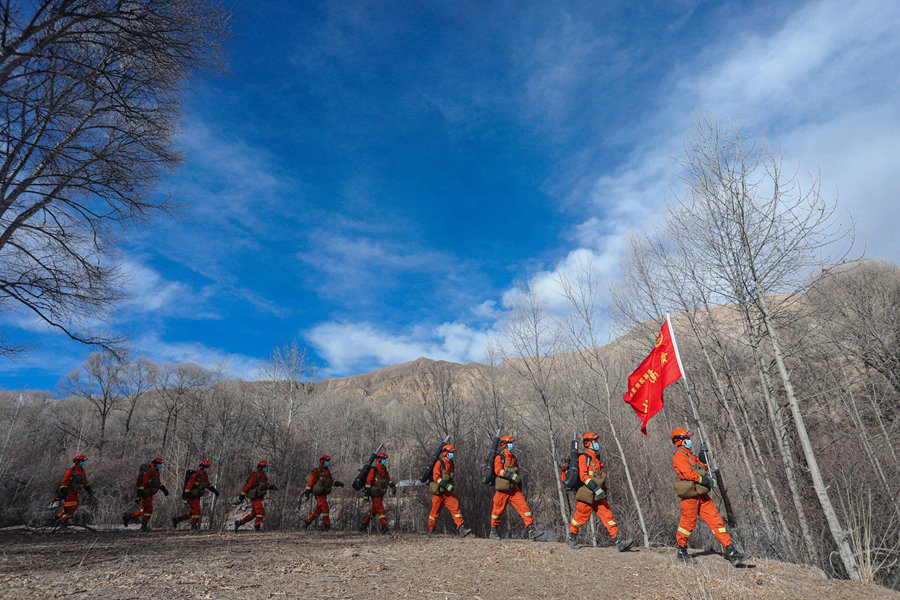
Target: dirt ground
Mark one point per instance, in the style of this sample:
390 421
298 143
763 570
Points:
167 564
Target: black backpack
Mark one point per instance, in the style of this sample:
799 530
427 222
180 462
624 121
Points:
143 469
187 477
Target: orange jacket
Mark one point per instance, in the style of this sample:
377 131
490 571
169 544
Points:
589 466
199 479
442 468
504 460
75 479
682 461
255 477
380 471
314 476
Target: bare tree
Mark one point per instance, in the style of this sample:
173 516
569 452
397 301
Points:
98 381
136 379
88 108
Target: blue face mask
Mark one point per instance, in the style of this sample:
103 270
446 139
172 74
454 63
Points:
450 455
265 469
80 463
206 469
510 446
595 446
326 463
688 444
157 466
383 461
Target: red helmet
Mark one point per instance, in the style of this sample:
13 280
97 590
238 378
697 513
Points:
381 455
679 435
79 458
156 461
506 439
262 464
589 437
324 458
448 448
204 463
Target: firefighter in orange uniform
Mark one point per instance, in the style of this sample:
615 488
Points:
319 484
378 480
194 488
256 488
147 486
689 467
442 487
74 480
591 496
507 490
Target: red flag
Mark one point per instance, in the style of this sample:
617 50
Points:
655 373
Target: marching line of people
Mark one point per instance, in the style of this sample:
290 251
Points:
502 471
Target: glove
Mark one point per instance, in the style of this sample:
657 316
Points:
89 490
338 484
164 490
137 499
273 488
61 492
306 494
705 482
241 498
214 491
514 477
393 487
443 484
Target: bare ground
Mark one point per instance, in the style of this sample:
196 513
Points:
167 564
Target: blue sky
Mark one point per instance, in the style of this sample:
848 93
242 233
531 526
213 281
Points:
373 178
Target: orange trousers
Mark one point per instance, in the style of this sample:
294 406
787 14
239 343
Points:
145 511
321 509
69 506
194 514
438 501
583 515
377 510
257 510
703 506
517 499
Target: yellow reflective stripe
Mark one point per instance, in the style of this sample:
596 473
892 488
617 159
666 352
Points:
722 530
684 531
528 514
458 515
495 516
324 514
611 522
576 523
432 518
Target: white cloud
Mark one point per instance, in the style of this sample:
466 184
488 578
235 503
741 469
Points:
231 364
354 347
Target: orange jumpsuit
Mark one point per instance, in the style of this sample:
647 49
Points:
148 486
443 471
377 482
321 499
258 481
682 461
507 460
589 465
72 482
198 482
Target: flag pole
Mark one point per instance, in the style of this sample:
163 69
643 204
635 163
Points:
684 378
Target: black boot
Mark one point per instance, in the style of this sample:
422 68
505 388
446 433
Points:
494 535
145 526
463 530
307 525
237 525
195 526
257 528
532 533
622 544
735 557
682 555
572 541
126 518
385 529
325 527
175 522
364 527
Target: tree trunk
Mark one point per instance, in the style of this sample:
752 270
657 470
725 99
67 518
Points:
834 524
